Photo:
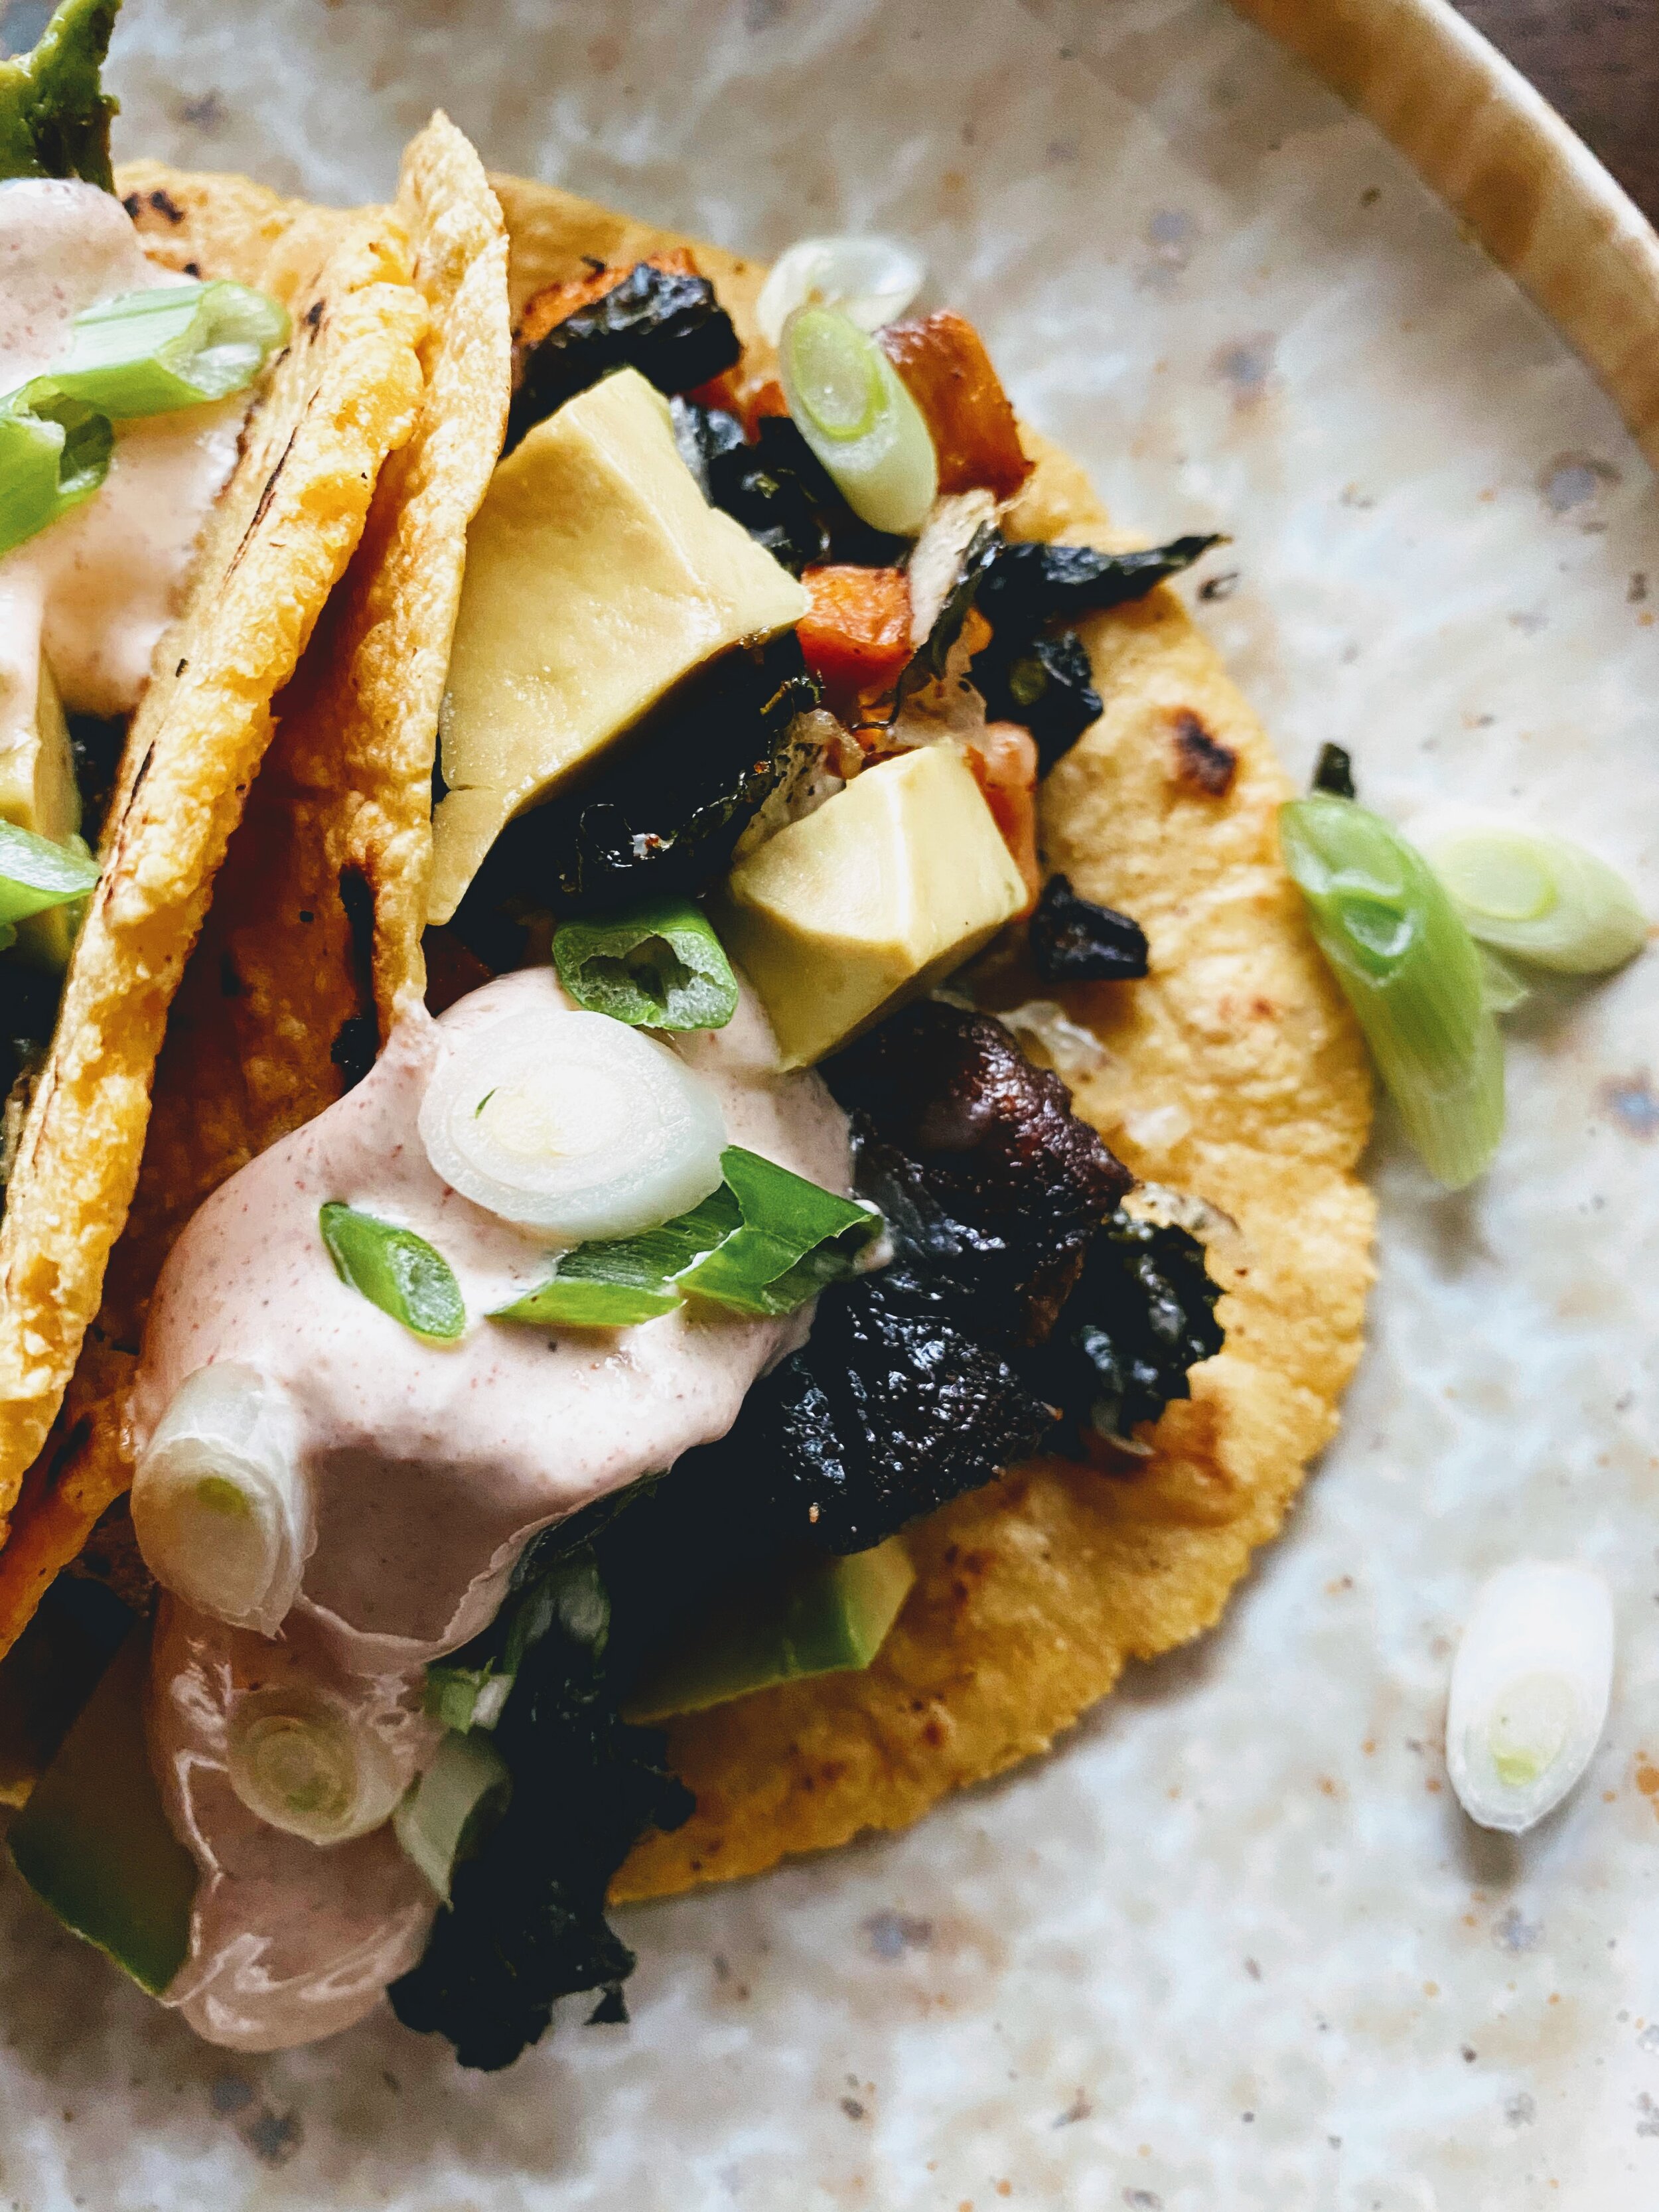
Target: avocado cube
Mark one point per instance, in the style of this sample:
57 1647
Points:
831 1617
872 899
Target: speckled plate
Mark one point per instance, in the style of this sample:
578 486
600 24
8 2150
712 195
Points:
1232 1947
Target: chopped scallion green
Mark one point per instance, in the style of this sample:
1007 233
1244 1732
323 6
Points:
36 875
1388 927
660 967
54 453
395 1270
764 1244
444 1811
1542 898
171 346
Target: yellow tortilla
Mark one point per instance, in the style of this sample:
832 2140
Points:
1233 1074
412 338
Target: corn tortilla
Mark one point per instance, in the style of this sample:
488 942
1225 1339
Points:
266 994
1233 1073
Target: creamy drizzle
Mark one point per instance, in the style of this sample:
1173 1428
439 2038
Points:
429 1470
98 588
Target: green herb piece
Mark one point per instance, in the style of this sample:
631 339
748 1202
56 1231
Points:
1396 942
1542 898
447 1811
794 1238
850 405
169 347
36 875
621 1281
1502 989
54 453
395 1270
660 967
54 113
764 1243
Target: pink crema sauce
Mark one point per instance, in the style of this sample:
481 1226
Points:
98 588
429 1468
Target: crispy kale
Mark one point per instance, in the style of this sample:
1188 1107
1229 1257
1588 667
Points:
527 1923
1072 941
778 489
987 1179
54 113
667 326
1143 1313
1036 669
1333 772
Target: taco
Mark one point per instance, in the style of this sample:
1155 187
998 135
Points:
868 1244
191 440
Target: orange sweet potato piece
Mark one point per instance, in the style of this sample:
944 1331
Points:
856 634
943 360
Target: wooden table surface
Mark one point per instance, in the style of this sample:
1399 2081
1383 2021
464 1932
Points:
1597 61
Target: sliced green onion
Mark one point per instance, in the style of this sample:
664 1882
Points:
170 346
1388 927
395 1270
36 875
764 1244
852 408
1529 1691
660 967
795 1238
1500 987
872 279
299 1758
54 453
445 1811
566 1122
220 1509
628 1280
1542 898
466 1697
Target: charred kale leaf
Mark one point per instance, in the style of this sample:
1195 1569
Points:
668 326
1143 1313
1035 669
1044 682
1034 584
663 814
987 1179
1074 942
778 489
526 1925
1334 772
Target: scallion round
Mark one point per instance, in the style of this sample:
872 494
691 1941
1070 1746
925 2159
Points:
37 875
1388 927
170 346
872 280
1542 898
301 1759
1529 1691
849 403
446 1810
220 1509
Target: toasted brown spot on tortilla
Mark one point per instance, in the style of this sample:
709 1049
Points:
1200 759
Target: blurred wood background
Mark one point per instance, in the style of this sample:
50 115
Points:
1597 61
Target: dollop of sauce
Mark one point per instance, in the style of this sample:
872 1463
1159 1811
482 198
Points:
429 1468
98 588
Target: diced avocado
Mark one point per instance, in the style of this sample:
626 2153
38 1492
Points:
874 898
597 576
831 1618
38 792
94 1842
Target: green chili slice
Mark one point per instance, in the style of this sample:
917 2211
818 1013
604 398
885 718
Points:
660 967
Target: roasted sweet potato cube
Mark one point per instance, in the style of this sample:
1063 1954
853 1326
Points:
943 360
856 635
